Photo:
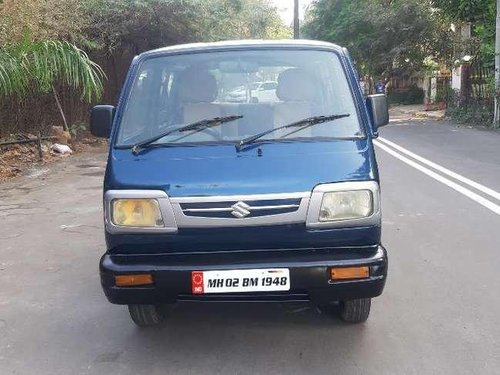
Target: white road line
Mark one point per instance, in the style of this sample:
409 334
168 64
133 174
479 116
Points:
468 193
492 193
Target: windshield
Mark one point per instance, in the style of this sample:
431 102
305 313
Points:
268 88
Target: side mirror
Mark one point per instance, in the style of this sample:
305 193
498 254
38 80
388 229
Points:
378 109
101 120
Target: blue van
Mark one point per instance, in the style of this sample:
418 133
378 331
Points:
215 191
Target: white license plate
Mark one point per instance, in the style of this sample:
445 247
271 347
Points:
238 281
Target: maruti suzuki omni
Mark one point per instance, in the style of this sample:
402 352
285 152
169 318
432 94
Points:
215 191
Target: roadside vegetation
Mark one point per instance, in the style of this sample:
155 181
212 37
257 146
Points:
54 53
29 67
405 42
381 35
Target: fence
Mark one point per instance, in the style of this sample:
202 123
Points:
475 102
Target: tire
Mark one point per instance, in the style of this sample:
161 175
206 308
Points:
146 315
355 310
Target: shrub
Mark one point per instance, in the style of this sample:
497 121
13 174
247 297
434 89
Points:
413 95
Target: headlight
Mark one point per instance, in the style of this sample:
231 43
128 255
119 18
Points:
346 205
136 213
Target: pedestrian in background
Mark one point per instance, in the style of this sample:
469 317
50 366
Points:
379 87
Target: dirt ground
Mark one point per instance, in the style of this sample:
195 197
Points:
21 159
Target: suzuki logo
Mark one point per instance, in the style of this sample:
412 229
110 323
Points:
240 210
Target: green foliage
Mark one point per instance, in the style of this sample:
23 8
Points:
380 34
474 114
415 95
77 129
39 65
441 95
12 75
140 25
239 19
112 32
464 10
108 25
478 111
481 13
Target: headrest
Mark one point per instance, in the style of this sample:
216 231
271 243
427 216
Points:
197 86
295 85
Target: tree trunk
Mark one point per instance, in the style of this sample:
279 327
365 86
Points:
465 86
61 111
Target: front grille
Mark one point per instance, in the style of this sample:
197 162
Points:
241 209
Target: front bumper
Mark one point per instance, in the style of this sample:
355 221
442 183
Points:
309 275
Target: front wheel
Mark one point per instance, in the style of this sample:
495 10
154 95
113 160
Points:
355 310
146 315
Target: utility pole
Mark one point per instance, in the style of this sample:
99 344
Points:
496 120
296 32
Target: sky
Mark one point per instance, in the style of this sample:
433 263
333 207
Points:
285 8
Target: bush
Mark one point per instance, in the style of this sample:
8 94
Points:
477 111
473 114
414 95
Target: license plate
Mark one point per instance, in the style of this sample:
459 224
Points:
238 281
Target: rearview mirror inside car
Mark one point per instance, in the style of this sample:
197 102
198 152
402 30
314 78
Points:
238 66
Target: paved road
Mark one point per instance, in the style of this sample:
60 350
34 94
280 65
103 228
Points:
438 315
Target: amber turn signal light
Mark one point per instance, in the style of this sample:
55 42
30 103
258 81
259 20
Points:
346 273
133 280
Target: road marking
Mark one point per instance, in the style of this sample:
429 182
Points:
468 193
459 177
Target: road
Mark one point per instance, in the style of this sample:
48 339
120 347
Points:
439 313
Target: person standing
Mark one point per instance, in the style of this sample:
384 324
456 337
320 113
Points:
379 87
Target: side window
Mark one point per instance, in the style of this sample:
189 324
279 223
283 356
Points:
136 114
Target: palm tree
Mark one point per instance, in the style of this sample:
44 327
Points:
36 66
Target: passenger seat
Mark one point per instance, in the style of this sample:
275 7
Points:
296 92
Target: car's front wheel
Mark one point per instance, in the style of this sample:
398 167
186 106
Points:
355 310
146 315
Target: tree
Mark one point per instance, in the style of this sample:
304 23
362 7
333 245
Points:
122 29
481 13
112 32
380 34
145 24
463 10
37 66
240 19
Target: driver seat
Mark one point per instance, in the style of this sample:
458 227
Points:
197 91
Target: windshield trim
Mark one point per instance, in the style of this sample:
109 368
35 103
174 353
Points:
257 143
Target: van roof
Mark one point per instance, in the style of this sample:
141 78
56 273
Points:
230 44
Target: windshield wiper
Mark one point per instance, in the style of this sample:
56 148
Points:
197 126
302 124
